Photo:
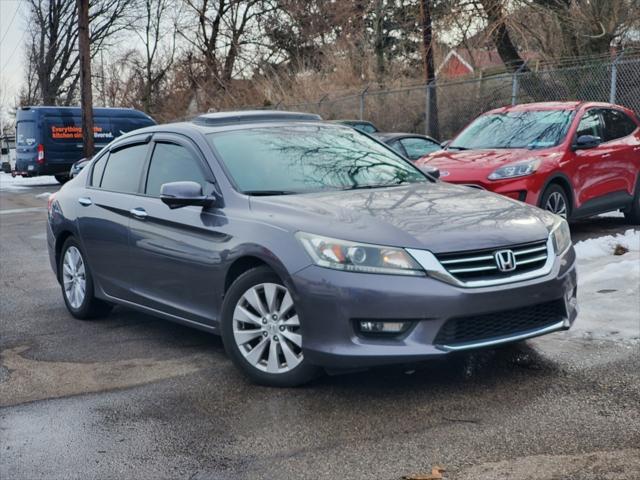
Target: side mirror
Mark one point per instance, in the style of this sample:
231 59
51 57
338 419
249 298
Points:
429 170
584 142
181 194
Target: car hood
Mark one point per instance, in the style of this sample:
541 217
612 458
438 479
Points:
435 216
478 159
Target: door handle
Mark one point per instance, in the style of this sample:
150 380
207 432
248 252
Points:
138 213
84 201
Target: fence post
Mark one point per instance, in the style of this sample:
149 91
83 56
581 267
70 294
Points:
427 108
614 78
514 88
362 95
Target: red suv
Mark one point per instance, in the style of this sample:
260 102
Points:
574 159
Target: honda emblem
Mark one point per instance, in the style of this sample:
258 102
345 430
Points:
505 260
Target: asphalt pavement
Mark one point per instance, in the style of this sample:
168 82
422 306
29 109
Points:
132 396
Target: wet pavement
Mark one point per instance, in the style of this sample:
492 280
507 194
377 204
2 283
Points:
132 396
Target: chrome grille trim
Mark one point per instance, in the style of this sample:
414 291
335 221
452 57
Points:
438 269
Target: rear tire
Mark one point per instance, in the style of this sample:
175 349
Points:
62 179
632 214
77 284
261 331
555 200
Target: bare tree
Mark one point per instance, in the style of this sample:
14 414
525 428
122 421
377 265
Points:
54 52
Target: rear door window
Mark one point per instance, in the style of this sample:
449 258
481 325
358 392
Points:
417 147
98 170
172 163
26 133
591 124
124 168
617 124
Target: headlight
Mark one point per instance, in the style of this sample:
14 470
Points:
516 170
561 237
358 257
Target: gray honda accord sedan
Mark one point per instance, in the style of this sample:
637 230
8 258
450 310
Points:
305 245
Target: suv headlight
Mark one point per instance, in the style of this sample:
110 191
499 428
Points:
561 237
516 170
358 257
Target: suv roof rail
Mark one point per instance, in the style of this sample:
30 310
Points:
250 116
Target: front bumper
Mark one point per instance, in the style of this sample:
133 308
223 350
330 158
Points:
331 302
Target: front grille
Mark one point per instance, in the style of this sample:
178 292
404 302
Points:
481 264
500 324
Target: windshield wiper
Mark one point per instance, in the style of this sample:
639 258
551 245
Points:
266 193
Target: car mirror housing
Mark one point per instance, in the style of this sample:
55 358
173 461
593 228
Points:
584 142
431 171
181 194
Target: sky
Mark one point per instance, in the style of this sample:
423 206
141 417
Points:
12 36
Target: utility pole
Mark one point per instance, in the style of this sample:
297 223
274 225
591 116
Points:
431 115
86 95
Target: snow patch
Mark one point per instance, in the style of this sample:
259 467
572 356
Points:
604 246
9 183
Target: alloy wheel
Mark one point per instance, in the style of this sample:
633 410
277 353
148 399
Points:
557 204
74 277
266 328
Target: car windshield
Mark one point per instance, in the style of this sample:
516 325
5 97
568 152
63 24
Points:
526 129
305 158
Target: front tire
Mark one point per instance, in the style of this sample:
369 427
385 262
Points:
77 285
261 330
555 200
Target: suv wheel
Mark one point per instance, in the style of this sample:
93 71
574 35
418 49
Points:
77 283
632 214
554 199
261 330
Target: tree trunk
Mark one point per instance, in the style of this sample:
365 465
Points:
85 77
501 38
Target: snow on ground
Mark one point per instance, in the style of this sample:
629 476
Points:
9 183
609 288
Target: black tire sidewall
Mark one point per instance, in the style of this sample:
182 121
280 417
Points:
302 374
547 193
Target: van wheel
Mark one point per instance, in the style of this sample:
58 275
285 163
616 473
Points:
77 283
261 330
62 178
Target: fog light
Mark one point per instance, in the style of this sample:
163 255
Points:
368 326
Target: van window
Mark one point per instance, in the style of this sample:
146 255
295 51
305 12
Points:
124 168
26 133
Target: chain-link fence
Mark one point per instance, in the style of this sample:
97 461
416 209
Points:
443 108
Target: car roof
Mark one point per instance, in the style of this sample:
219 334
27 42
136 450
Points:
252 116
572 105
353 122
385 136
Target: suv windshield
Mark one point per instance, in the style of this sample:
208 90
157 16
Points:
528 129
305 158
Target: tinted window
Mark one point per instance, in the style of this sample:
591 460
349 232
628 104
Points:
617 125
590 124
26 133
365 127
397 147
98 169
172 163
418 147
124 168
307 157
525 129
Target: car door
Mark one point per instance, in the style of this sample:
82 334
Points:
592 164
105 206
624 147
177 254
418 147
